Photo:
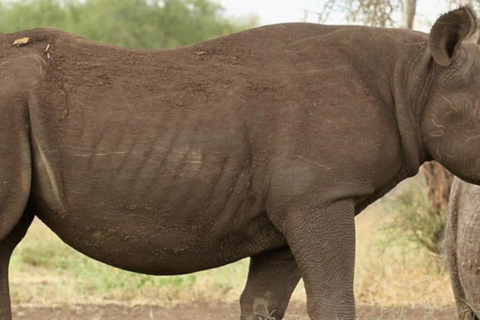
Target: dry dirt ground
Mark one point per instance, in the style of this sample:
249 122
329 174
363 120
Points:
209 312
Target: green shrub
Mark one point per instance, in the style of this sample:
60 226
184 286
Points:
414 220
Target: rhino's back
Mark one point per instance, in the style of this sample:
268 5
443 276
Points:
122 117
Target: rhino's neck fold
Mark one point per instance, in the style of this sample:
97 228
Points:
412 80
396 68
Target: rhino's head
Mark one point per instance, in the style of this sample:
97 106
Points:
451 117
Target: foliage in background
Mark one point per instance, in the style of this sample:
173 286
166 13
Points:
128 23
414 220
379 13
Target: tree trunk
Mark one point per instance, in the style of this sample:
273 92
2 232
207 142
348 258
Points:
409 10
439 182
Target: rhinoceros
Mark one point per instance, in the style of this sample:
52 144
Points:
261 144
463 248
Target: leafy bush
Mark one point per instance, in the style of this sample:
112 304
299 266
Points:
128 23
414 220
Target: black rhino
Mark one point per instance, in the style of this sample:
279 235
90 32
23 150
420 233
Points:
261 144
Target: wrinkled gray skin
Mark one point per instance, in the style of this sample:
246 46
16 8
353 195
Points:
262 144
463 248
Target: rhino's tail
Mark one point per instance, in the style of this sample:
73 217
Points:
465 311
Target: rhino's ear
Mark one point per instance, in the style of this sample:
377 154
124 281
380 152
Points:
449 31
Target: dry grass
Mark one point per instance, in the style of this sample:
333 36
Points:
45 271
394 275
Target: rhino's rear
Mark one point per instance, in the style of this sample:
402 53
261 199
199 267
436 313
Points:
143 159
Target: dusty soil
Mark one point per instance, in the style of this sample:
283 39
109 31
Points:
210 312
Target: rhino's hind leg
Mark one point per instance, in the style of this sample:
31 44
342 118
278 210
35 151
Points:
16 77
272 277
6 248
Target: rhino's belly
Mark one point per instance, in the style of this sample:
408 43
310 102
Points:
150 248
146 242
172 221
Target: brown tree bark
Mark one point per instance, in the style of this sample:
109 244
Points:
439 182
409 10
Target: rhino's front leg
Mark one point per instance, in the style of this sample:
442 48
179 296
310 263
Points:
272 277
322 239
